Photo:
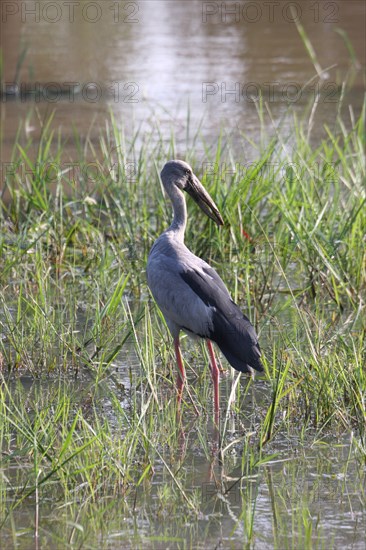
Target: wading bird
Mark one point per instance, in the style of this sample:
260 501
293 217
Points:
190 294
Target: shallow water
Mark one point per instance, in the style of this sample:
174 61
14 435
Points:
310 480
312 491
148 60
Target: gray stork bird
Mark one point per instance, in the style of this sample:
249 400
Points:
190 294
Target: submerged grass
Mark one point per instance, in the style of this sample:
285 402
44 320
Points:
89 433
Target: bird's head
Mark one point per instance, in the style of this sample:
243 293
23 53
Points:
179 174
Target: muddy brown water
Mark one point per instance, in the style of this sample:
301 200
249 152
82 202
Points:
318 482
149 60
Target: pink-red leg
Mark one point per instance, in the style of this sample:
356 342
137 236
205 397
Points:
182 372
215 373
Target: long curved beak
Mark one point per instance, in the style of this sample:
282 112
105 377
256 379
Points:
199 194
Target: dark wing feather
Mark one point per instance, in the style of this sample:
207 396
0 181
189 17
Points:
231 329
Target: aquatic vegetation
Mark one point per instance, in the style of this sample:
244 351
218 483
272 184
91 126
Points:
92 453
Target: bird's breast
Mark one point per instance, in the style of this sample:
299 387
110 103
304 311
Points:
176 299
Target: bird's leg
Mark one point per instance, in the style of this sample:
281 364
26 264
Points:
181 373
215 373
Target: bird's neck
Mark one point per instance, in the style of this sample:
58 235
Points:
179 222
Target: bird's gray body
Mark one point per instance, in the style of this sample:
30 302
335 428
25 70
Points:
169 260
191 295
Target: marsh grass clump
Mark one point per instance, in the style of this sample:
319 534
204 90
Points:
87 411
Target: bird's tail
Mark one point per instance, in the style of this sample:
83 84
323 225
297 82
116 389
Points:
239 364
237 339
